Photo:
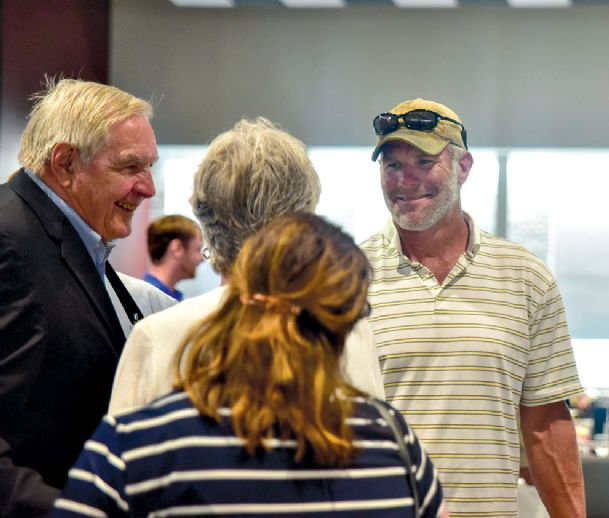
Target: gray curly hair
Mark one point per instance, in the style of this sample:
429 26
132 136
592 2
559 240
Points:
251 174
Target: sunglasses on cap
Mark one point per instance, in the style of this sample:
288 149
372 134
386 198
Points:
418 120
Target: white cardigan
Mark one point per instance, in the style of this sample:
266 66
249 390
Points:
145 369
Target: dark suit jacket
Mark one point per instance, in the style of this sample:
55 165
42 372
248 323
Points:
60 340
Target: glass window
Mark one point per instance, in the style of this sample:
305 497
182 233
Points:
479 193
556 208
350 190
174 176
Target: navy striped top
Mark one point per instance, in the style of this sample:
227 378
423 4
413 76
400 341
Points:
167 460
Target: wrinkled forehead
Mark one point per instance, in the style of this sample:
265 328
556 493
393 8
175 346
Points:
132 139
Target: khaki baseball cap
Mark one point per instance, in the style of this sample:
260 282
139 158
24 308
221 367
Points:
432 141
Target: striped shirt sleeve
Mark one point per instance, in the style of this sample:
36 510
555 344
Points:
427 484
551 372
96 483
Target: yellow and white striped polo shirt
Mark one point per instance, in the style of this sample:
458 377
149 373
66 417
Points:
459 358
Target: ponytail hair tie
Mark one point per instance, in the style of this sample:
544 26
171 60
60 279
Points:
270 303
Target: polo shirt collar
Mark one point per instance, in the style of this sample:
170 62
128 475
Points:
473 243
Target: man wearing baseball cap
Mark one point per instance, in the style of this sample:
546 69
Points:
470 328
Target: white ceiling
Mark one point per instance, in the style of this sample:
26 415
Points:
397 3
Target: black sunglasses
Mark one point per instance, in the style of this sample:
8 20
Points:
419 120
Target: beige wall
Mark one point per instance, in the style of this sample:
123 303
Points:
518 77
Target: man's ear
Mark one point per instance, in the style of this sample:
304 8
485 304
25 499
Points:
465 164
176 247
62 160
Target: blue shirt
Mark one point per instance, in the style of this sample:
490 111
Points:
95 245
169 459
176 294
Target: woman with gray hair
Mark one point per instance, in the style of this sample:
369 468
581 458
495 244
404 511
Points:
250 175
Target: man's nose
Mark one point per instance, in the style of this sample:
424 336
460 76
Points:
409 174
145 185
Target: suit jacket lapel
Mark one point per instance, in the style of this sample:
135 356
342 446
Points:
73 252
84 270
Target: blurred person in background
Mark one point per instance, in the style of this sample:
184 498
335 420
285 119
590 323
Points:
175 249
86 155
263 421
250 174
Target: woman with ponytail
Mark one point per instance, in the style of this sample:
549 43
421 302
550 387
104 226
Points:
263 421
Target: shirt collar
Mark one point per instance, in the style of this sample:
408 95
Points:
95 245
155 281
473 242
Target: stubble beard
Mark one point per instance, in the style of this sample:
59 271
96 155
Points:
441 205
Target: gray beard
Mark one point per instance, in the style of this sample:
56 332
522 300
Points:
441 206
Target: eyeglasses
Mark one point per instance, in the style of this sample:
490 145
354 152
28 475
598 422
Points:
205 253
418 120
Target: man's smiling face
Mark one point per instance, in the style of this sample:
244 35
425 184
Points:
106 191
419 189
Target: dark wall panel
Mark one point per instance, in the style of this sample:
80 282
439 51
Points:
54 37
